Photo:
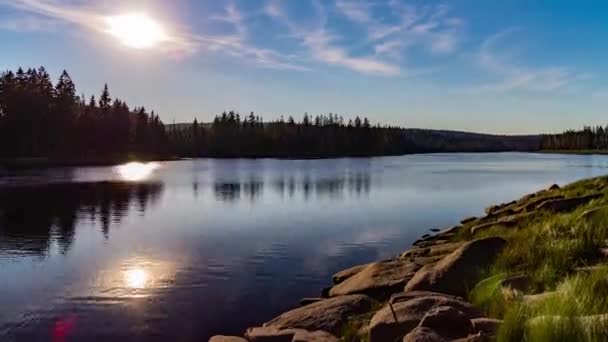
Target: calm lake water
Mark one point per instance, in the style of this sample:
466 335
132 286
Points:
183 250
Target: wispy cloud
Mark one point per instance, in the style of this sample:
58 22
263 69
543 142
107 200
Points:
355 10
512 76
179 43
322 44
29 23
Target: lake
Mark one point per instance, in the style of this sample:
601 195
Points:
187 249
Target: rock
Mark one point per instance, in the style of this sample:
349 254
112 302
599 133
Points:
566 204
479 337
314 336
405 296
222 338
488 326
457 270
423 334
396 320
347 273
269 334
508 221
329 314
468 219
554 187
378 280
435 230
518 283
306 301
535 203
447 321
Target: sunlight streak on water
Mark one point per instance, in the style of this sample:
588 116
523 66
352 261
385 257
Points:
136 278
135 171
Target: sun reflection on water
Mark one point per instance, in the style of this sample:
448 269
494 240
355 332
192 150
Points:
135 171
136 278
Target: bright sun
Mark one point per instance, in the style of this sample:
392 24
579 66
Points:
136 30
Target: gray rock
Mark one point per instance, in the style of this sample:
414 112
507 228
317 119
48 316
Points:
488 326
378 280
447 321
468 219
405 296
566 204
329 314
458 270
423 334
518 283
222 338
396 320
307 301
270 334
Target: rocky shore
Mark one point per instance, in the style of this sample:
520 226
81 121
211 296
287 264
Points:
488 278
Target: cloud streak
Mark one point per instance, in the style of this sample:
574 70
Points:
179 44
514 77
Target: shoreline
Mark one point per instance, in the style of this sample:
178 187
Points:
49 162
495 277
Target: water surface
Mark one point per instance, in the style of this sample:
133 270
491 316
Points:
184 250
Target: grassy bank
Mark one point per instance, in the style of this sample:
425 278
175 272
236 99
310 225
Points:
562 260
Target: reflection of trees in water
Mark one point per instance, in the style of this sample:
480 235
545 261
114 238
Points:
31 217
356 184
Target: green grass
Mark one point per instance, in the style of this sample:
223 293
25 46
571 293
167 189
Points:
580 295
549 248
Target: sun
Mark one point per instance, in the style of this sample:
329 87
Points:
136 30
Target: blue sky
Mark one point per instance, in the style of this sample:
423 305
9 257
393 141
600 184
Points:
491 66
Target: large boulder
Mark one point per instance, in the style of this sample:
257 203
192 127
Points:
328 315
270 334
448 322
396 320
423 334
566 204
222 338
347 273
378 280
458 270
405 296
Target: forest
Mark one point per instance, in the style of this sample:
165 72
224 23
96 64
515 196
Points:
39 119
589 138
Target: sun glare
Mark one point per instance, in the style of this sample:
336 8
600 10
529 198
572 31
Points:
136 171
136 278
136 30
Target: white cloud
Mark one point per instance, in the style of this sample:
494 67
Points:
322 45
357 11
513 76
29 23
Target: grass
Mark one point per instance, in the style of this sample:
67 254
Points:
549 248
567 315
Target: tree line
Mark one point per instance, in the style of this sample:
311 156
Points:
39 119
331 135
589 138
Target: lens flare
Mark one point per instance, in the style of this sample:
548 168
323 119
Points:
136 30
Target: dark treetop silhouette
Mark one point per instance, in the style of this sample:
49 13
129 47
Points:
39 120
